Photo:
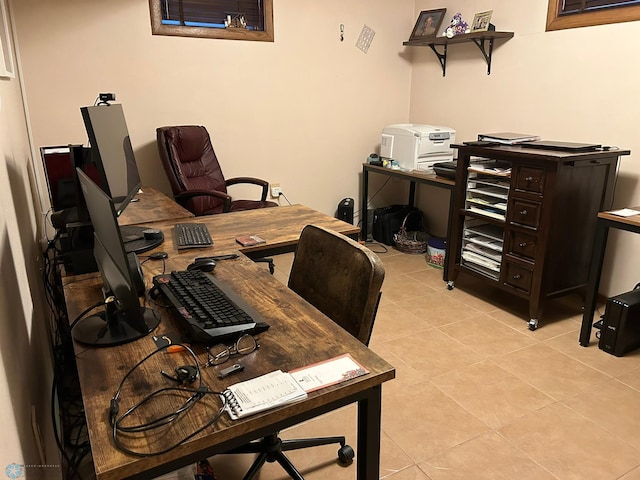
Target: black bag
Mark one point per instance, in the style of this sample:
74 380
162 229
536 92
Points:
388 220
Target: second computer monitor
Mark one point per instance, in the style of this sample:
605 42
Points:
112 151
112 156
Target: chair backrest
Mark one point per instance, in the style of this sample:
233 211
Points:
340 277
191 164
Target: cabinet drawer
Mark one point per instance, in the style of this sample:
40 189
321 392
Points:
524 212
530 179
522 244
518 276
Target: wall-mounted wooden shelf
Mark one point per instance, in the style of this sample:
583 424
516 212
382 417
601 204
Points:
483 40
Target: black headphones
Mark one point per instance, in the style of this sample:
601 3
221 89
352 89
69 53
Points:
185 374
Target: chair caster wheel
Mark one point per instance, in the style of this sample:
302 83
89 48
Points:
450 285
346 455
533 324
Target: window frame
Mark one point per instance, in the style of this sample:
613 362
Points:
158 28
602 17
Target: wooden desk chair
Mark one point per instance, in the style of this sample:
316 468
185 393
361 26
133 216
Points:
342 279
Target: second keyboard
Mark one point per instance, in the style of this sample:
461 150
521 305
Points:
191 235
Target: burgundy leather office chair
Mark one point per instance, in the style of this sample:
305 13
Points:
195 174
342 279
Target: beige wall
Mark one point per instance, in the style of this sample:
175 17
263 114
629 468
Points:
304 111
575 85
25 358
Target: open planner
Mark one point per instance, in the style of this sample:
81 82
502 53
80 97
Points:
278 388
262 393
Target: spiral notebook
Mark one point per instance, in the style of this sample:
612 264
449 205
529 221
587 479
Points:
262 393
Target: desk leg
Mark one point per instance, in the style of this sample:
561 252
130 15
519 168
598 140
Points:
595 271
364 216
445 269
369 427
412 194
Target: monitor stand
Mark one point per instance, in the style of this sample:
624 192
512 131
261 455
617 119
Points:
135 241
110 329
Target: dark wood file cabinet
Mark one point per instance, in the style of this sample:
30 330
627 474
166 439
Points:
524 219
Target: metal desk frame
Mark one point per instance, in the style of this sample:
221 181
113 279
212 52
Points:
606 220
414 178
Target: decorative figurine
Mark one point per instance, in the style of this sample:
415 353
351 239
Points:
457 26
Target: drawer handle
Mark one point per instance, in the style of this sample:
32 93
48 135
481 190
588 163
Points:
517 276
522 244
528 179
523 213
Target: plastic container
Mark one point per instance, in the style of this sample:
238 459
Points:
436 251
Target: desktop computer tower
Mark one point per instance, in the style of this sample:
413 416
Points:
620 332
76 249
345 210
387 221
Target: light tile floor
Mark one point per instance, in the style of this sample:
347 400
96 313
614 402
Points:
477 395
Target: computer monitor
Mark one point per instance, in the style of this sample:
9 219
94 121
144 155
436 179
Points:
112 152
123 319
60 176
113 159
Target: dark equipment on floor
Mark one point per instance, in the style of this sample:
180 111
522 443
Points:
345 210
388 220
620 332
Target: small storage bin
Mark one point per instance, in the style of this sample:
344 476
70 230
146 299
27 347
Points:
436 250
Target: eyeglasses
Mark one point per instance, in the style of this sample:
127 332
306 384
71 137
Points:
218 354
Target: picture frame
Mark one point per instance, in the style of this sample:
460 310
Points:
481 21
428 24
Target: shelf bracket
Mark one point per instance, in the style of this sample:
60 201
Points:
481 44
442 57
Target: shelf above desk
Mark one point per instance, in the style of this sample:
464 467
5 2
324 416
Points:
483 40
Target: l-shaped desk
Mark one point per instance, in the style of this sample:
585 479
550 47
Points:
299 335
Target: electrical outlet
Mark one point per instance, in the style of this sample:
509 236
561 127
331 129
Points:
275 190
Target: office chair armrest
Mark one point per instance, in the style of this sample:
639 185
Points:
255 181
181 198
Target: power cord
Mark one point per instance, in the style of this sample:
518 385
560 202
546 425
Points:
66 408
285 197
185 375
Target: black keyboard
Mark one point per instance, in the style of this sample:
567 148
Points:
207 308
191 235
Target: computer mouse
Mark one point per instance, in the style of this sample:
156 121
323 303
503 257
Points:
203 264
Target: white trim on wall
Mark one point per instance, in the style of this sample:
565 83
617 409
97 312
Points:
6 58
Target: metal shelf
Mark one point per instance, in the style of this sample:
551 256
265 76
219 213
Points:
483 40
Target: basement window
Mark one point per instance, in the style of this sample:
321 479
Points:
227 19
564 14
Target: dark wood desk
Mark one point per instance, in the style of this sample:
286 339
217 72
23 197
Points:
546 219
299 335
606 220
413 177
151 205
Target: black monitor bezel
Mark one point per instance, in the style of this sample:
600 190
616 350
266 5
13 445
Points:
124 318
97 155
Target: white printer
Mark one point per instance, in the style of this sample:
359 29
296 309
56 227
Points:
417 147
